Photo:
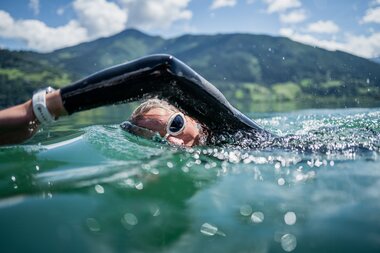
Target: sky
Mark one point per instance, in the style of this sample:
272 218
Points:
46 25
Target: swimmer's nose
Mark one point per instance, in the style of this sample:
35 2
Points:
175 141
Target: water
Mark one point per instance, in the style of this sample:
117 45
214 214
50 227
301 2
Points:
94 188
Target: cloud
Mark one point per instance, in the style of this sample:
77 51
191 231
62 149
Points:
293 17
156 14
372 15
222 3
95 18
35 6
39 36
311 40
99 17
323 26
281 5
364 46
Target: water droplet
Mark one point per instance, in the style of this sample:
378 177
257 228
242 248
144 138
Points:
208 229
368 81
99 189
245 210
155 210
13 178
332 163
130 219
170 165
290 218
93 224
139 186
257 217
281 181
37 168
283 58
155 171
288 242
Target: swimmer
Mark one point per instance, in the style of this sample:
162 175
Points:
193 113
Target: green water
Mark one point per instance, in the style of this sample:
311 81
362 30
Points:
87 186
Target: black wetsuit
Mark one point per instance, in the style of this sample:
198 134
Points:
164 77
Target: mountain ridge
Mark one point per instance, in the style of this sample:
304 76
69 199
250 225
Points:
244 66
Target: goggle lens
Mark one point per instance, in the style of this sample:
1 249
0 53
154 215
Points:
177 124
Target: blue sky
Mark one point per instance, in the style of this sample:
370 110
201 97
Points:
46 25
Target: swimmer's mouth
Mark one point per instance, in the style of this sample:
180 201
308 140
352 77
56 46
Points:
140 131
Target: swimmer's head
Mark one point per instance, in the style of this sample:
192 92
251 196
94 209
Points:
158 116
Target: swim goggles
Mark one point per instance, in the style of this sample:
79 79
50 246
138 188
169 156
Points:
176 124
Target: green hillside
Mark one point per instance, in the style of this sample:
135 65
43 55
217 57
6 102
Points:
247 68
20 75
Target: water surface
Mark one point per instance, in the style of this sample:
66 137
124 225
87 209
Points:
90 187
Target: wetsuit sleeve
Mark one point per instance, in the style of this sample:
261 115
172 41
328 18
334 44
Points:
161 76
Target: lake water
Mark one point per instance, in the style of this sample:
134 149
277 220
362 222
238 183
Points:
87 186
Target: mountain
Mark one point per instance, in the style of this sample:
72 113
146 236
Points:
376 59
245 67
20 75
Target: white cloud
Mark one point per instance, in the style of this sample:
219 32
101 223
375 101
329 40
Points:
323 26
35 6
364 46
293 17
99 17
281 5
372 15
39 36
222 3
156 14
96 18
311 40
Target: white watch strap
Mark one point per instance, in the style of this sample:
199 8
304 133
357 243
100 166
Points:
39 108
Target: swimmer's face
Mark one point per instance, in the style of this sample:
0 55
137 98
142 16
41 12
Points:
156 119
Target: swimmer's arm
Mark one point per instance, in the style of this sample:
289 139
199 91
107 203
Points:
18 123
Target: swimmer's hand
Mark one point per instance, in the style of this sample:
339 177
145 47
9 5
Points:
18 123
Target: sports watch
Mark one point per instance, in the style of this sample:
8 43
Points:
39 106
